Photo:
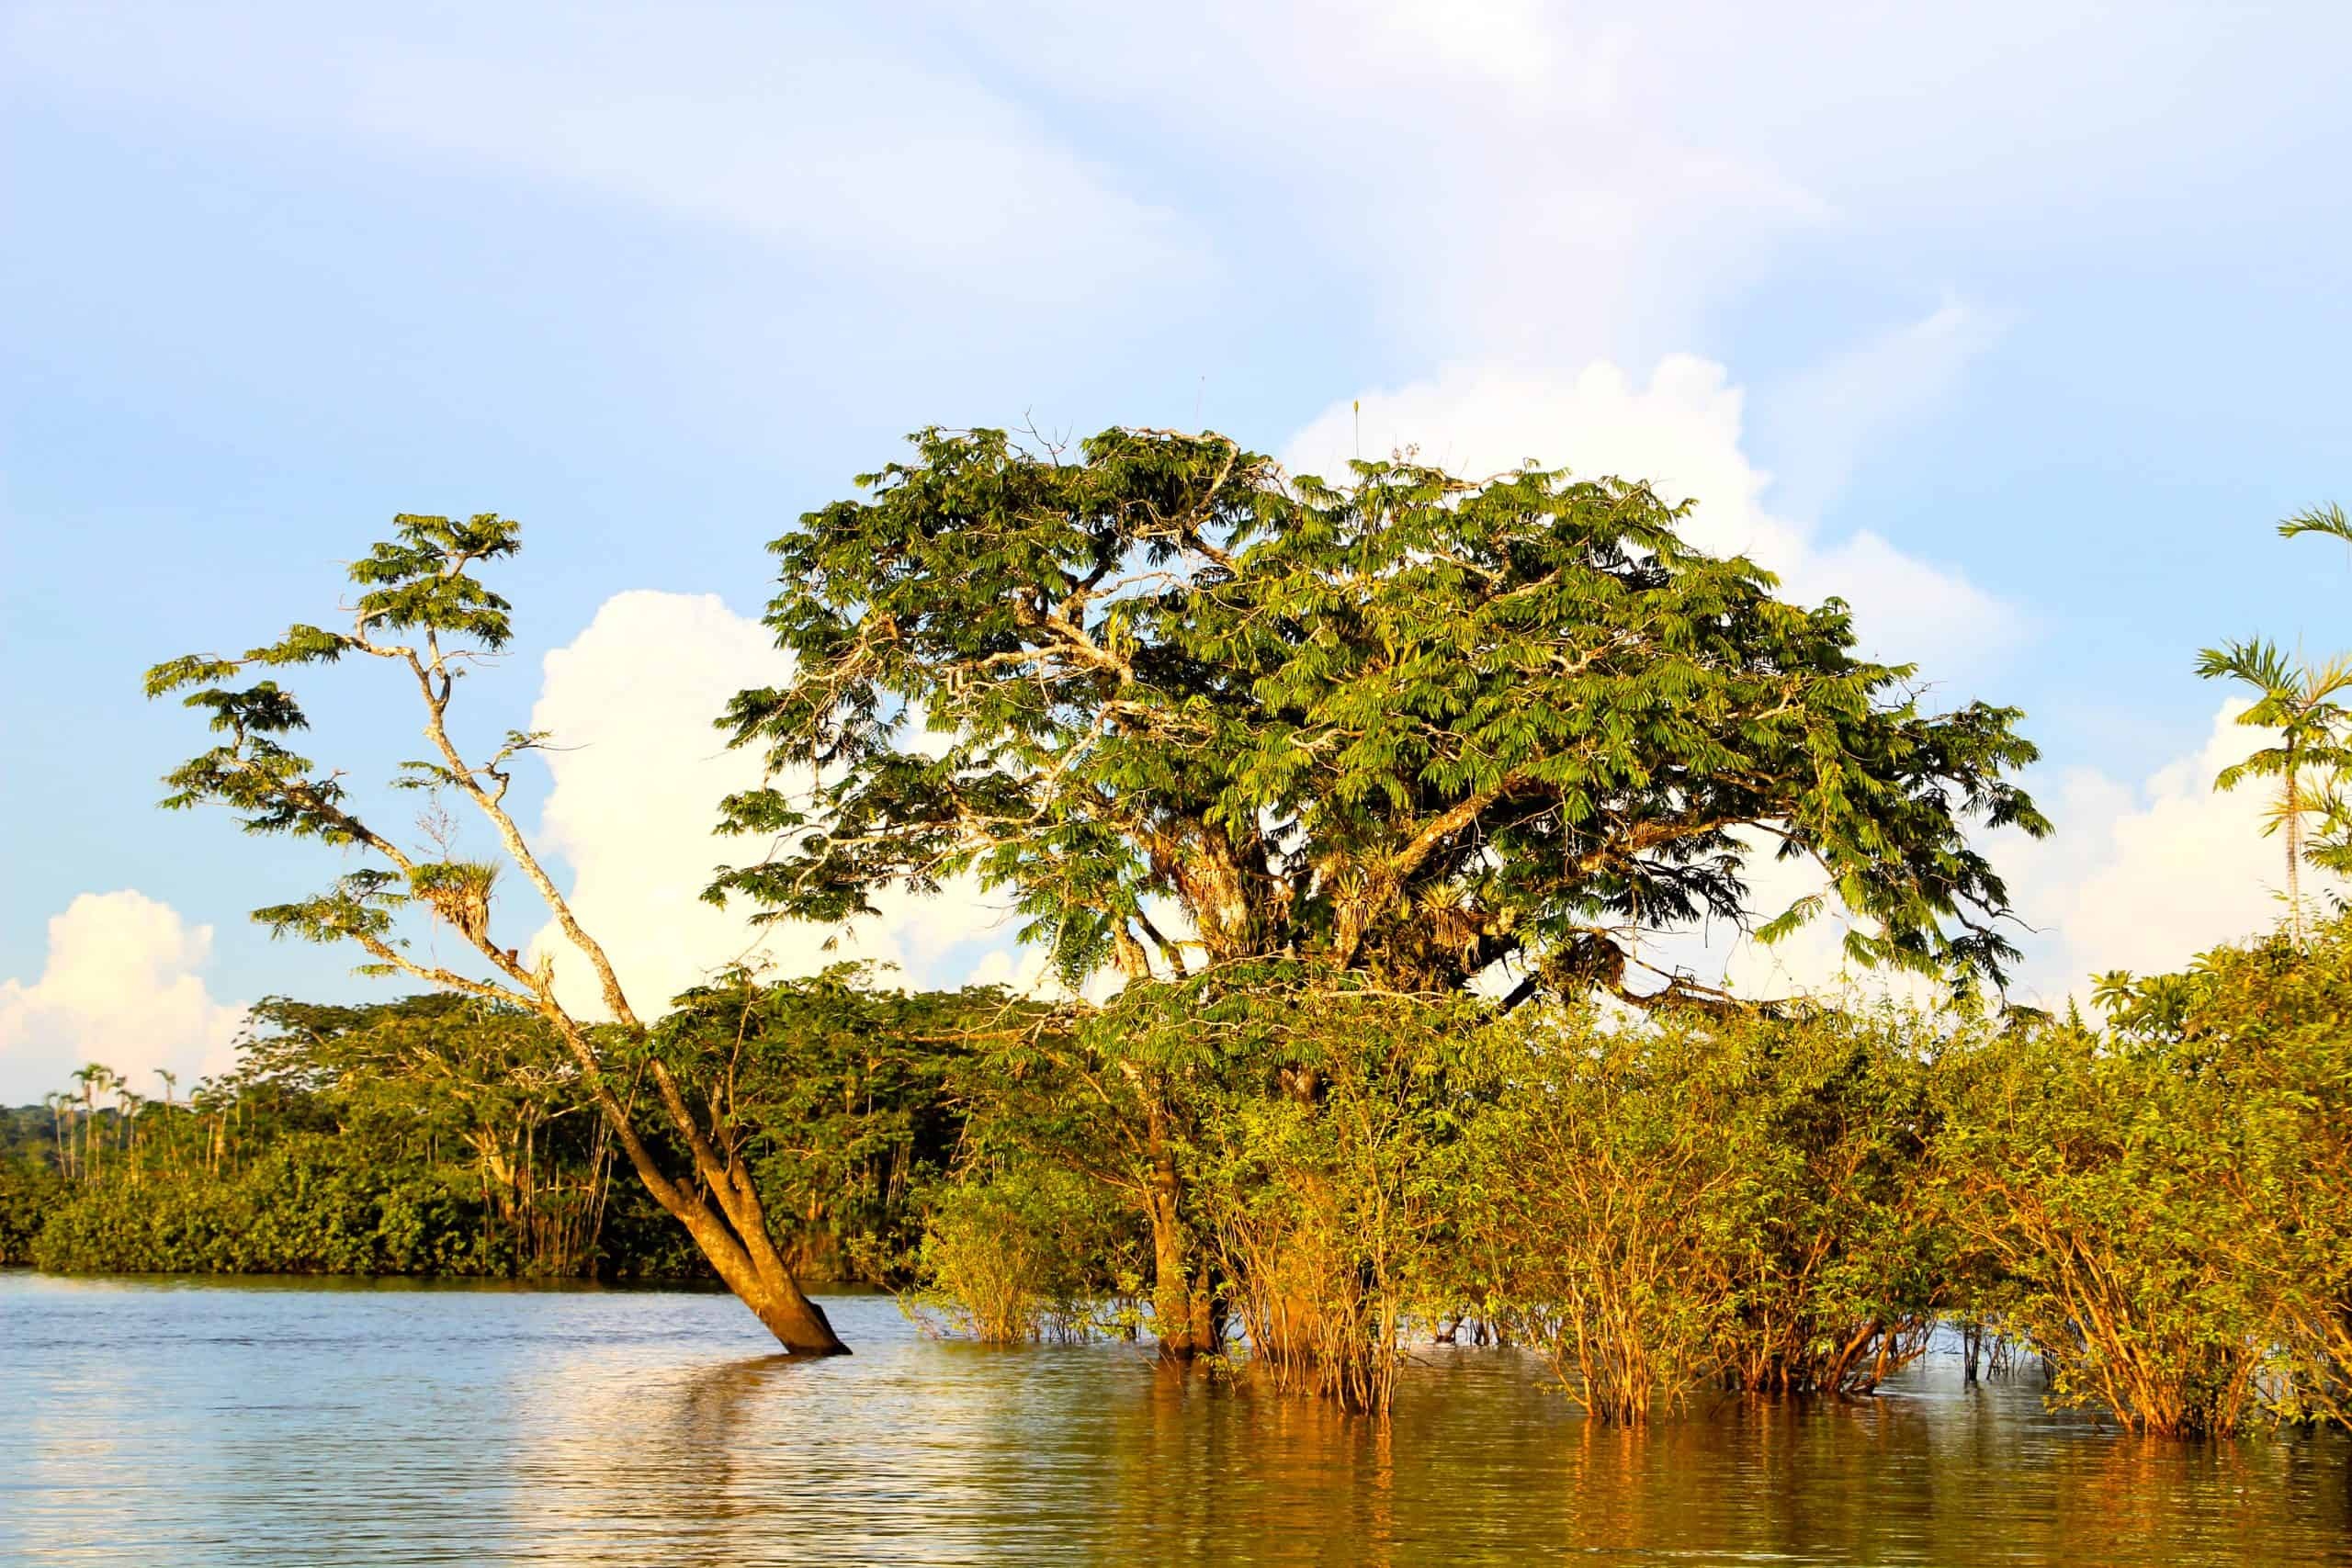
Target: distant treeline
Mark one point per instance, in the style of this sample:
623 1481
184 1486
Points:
2158 1208
439 1134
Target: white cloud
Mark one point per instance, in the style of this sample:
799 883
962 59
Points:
798 127
1569 183
2143 878
1491 174
639 772
2140 877
122 986
1682 432
1821 421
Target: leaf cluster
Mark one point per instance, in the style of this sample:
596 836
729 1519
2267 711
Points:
1405 723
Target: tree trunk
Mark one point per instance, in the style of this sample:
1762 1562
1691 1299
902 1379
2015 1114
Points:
1183 1314
775 1297
734 1234
2295 856
735 1239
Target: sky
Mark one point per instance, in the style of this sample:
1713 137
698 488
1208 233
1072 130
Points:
2017 326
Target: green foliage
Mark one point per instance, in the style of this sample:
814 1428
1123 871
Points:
1408 724
30 1190
1668 1207
1030 1253
1707 1201
419 582
1329 1194
2168 1209
441 1133
435 1135
845 1100
305 1207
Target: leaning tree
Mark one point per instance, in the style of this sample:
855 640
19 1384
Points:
420 611
1188 711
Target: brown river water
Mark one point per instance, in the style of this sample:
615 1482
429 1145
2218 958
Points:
160 1422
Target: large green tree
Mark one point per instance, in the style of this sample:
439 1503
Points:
1195 715
422 611
1406 723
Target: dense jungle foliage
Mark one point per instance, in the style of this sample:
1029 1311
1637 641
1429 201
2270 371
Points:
443 1135
1667 1209
1374 796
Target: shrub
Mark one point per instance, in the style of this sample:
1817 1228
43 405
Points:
303 1207
2168 1205
1328 1194
28 1190
1015 1258
1691 1200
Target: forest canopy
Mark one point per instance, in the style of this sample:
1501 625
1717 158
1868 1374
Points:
1190 709
1302 761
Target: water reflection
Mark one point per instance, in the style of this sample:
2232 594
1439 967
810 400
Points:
215 1426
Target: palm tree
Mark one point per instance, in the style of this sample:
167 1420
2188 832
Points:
171 1124
2300 703
93 1076
2334 848
57 1101
128 1104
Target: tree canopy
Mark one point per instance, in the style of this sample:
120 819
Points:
423 611
1407 724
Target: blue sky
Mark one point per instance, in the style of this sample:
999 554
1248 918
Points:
2043 304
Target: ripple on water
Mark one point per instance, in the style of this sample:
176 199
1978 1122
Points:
174 1422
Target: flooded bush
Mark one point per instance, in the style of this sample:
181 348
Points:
2166 1204
1841 1264
1017 1258
1329 1184
1672 1209
1674 1206
1607 1207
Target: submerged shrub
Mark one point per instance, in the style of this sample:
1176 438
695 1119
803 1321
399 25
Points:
2168 1205
1608 1208
2118 1194
1017 1258
1329 1183
1692 1201
1840 1264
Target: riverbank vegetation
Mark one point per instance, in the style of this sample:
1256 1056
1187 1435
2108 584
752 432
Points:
448 1134
1669 1210
1378 801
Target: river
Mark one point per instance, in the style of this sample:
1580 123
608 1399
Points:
380 1423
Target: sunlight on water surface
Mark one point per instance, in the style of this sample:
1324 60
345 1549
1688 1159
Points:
174 1422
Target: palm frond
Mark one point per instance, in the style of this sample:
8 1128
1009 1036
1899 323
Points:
2257 662
2328 518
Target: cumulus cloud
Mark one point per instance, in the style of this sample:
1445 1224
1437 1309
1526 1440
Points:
2136 876
123 984
2142 877
1682 432
639 772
